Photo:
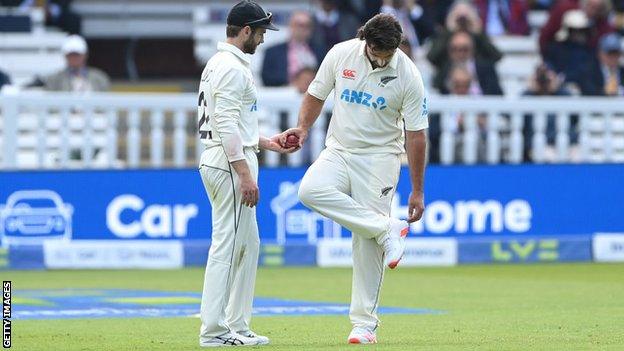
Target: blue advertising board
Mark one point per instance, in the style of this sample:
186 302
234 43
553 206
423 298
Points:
462 201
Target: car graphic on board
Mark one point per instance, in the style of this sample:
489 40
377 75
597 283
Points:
31 216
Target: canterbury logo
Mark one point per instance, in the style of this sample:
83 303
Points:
385 191
348 73
385 80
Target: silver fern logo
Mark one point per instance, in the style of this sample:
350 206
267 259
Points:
385 80
385 191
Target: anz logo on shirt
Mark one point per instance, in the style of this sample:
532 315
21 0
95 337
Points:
362 98
254 107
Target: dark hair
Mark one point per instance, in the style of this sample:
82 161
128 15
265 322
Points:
231 31
382 32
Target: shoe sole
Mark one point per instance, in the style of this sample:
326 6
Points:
358 341
394 264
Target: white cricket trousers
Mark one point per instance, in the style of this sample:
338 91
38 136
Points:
233 257
356 190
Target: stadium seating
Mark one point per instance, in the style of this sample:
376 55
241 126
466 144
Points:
26 55
146 18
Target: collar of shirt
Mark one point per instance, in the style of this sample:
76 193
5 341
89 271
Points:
393 61
221 46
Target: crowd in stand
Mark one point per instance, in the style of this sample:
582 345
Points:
580 47
579 44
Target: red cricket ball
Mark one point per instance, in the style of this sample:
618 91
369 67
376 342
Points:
292 141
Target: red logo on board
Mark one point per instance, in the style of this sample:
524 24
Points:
348 73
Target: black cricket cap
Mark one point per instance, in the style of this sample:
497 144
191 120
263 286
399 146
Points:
249 13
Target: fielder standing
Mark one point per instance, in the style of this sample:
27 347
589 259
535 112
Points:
228 127
378 93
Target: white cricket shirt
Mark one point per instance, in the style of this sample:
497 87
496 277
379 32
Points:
227 100
371 107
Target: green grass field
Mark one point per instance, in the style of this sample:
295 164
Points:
497 307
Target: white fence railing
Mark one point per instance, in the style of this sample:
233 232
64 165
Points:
57 130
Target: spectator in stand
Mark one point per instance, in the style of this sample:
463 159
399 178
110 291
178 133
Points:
58 12
331 25
572 49
77 76
463 16
283 61
504 16
461 53
414 19
4 79
606 78
459 83
597 12
545 82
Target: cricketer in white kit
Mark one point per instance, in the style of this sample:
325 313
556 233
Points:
228 127
379 101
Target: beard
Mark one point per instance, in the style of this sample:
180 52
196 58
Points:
249 46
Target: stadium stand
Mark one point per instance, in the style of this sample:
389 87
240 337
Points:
124 132
24 55
144 18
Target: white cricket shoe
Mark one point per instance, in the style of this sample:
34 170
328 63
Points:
228 339
362 336
262 340
394 242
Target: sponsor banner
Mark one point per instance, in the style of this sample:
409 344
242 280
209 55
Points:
165 204
196 254
608 247
538 249
105 254
23 257
418 252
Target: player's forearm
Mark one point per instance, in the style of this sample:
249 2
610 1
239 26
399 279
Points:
241 168
264 142
416 148
310 110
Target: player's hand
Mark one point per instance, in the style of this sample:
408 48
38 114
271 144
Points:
301 133
275 144
249 190
416 206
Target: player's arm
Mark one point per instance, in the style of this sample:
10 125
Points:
414 112
315 97
416 148
310 110
274 143
228 90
